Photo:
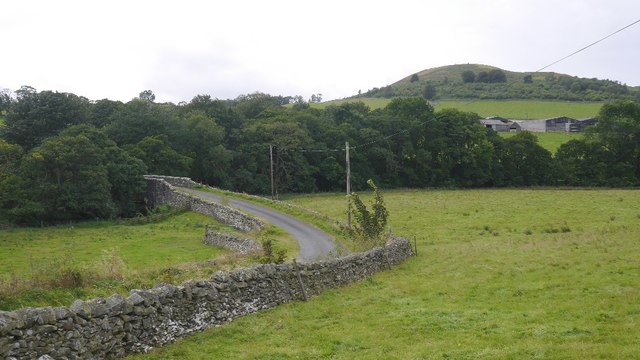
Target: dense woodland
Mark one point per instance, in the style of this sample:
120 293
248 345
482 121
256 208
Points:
65 157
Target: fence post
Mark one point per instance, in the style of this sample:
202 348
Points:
304 292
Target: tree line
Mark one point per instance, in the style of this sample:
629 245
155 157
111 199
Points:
65 157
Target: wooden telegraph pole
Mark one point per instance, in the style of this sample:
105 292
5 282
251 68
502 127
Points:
273 187
348 163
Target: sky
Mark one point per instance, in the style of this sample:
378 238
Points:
178 49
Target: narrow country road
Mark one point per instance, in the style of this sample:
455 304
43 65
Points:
313 242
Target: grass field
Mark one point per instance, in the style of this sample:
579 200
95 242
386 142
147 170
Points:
540 273
550 140
512 109
53 266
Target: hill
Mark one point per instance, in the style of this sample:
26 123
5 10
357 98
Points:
472 81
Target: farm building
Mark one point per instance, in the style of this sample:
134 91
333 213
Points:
566 124
500 124
559 124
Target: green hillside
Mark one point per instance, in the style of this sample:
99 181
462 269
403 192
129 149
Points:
488 82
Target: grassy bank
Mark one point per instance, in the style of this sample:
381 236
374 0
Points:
500 274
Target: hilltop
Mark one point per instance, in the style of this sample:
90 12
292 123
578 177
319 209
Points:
473 81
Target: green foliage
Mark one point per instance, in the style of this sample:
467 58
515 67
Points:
369 225
96 172
147 95
610 156
37 116
271 255
468 76
429 92
523 162
160 157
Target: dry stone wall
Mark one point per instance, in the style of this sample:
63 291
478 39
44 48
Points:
241 245
108 328
161 190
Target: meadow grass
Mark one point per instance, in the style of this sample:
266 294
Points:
550 140
512 109
53 266
511 273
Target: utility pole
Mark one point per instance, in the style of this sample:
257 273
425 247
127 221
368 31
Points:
348 163
273 187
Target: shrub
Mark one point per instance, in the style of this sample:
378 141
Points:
270 255
369 226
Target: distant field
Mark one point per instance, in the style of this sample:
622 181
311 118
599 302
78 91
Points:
513 109
500 274
550 140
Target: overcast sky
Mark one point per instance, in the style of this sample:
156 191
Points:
115 49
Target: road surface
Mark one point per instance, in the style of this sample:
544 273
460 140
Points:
313 242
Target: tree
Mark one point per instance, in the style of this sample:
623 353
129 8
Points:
524 162
67 177
482 77
159 157
124 172
137 119
147 95
618 130
37 116
497 76
414 78
584 163
429 91
527 79
468 76
251 105
316 98
202 139
5 100
369 224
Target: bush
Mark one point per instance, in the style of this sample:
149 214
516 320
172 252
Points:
270 255
369 227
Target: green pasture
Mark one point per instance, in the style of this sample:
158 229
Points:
512 109
507 274
53 266
177 240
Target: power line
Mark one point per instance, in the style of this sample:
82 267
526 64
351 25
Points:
590 45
